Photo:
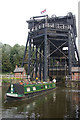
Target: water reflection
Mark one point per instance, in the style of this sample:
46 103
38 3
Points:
73 101
45 98
59 103
54 96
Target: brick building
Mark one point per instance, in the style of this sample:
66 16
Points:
75 73
19 72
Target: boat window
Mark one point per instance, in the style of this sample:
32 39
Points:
45 86
34 88
28 89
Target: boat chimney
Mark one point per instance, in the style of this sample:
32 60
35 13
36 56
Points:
16 66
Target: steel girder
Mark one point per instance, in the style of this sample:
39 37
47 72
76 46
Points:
46 40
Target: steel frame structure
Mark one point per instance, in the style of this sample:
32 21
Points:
46 43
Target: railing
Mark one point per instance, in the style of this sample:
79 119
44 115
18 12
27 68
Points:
12 76
57 67
18 78
12 79
51 25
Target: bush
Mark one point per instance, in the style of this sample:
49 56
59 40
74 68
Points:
4 81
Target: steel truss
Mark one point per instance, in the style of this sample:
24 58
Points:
46 43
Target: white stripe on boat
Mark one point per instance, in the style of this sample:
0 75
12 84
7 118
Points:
12 95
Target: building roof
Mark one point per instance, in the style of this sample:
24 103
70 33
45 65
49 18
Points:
75 69
18 70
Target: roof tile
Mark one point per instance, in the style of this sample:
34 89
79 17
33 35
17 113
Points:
18 70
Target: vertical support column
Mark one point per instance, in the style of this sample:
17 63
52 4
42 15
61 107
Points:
76 50
32 63
36 63
73 53
69 54
25 50
48 59
53 66
45 53
48 66
65 67
79 30
43 64
75 47
29 56
40 65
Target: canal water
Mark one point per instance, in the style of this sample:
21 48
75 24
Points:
59 103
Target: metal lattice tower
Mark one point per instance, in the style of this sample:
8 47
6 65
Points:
79 28
51 44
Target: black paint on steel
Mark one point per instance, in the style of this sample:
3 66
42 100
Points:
25 51
29 56
45 53
36 61
40 64
70 54
49 35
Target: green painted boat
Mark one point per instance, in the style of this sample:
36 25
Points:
18 91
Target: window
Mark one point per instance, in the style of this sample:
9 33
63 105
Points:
28 89
34 88
45 86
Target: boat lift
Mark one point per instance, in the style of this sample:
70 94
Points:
51 46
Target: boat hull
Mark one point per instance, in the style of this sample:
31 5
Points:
27 91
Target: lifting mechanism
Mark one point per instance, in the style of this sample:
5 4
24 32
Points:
51 46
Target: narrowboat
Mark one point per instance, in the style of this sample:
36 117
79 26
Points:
18 91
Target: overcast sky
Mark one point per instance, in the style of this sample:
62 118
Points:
14 13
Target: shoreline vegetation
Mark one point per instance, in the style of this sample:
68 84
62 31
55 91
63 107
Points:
8 80
10 57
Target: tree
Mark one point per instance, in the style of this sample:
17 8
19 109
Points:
16 55
11 56
6 65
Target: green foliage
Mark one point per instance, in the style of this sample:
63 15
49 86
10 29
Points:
6 65
5 81
11 56
16 55
8 79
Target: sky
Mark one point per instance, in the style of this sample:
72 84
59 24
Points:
14 13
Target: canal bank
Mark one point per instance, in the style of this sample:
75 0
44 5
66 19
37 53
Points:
59 103
72 84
